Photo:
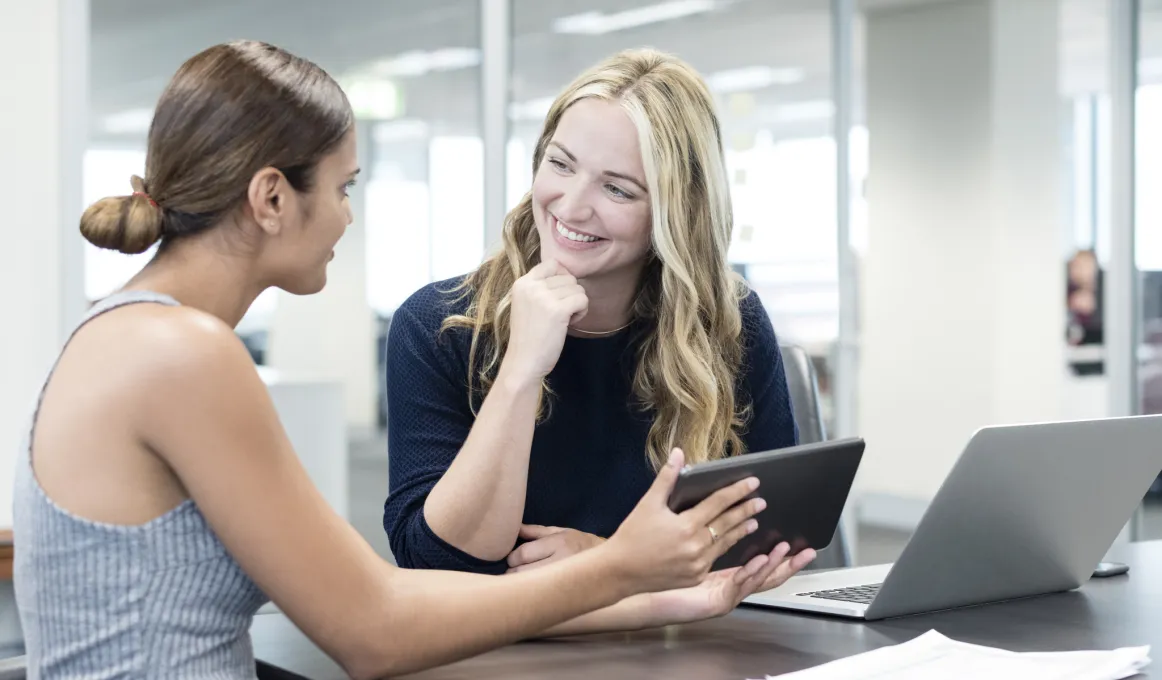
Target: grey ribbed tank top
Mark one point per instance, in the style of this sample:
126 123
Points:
159 600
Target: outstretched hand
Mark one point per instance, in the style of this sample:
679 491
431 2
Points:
721 591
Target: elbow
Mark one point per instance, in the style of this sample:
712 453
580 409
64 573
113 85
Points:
416 545
362 669
368 667
388 658
401 530
382 646
401 550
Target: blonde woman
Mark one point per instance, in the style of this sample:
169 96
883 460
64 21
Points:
533 401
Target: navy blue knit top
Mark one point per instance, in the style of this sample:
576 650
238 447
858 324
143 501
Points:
588 465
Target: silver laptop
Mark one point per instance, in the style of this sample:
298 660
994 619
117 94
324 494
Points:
1026 510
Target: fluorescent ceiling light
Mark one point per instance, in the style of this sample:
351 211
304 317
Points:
753 78
399 130
597 23
373 98
421 62
534 109
805 111
131 121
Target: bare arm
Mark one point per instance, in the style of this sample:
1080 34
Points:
717 595
211 419
478 504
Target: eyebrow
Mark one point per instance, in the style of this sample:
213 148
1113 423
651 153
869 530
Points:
608 173
356 171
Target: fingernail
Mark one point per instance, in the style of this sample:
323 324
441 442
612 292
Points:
675 457
751 526
760 505
752 483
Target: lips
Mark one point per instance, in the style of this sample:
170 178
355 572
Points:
575 235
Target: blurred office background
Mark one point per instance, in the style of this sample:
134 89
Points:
950 204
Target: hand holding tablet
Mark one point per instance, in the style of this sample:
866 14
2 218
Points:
805 488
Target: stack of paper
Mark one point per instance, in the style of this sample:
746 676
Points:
934 656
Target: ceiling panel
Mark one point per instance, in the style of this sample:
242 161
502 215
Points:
137 44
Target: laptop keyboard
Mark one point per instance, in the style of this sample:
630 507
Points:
856 594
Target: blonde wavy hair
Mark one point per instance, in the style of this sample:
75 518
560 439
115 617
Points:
691 351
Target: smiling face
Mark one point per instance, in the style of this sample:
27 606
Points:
590 202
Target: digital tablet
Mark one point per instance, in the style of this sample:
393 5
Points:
805 488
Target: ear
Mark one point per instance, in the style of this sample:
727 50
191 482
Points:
267 198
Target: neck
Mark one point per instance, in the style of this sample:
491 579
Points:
202 274
610 301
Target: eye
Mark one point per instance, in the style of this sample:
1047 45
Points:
348 187
618 192
558 164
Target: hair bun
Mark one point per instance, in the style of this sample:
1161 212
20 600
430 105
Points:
128 224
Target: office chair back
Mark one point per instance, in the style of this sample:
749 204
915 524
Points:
804 389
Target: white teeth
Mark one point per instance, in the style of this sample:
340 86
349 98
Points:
572 235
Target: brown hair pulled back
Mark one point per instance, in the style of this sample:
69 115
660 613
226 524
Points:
228 112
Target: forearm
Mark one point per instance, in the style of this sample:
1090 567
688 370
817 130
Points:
439 617
632 613
478 503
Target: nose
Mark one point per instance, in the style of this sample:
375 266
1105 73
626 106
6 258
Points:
575 206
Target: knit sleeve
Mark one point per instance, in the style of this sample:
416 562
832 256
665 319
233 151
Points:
428 420
772 423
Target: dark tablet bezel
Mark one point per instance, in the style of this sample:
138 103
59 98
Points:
805 487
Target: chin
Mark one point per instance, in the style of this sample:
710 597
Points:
579 264
305 286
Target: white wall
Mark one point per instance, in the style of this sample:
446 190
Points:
963 286
42 118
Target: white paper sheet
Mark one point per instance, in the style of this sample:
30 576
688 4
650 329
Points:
934 656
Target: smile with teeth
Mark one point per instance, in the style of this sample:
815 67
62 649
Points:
572 235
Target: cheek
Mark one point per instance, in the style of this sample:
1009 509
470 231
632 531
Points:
340 217
630 224
542 191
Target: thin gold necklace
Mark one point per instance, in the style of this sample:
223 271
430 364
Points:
610 332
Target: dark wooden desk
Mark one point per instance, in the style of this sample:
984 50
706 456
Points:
1105 613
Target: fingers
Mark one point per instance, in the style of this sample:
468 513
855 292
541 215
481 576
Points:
545 269
531 532
570 291
714 505
737 515
727 541
802 559
786 568
532 552
760 579
576 305
660 490
751 570
560 281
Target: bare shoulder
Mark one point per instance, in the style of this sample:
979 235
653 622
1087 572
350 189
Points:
160 362
167 342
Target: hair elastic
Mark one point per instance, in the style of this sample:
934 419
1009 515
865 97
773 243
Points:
147 197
